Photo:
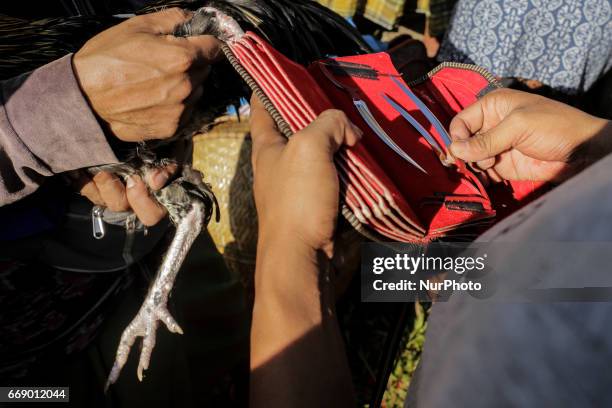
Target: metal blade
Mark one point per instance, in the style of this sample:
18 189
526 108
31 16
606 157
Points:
365 113
434 144
428 114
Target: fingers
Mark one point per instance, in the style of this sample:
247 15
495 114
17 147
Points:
112 191
467 122
91 192
485 113
108 190
486 163
206 47
483 147
485 128
148 211
158 177
331 130
494 176
86 187
337 126
324 135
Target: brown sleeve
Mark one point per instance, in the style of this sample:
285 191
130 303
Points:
46 127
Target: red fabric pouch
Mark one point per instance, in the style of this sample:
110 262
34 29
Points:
384 195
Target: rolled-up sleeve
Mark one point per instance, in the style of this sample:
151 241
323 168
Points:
46 127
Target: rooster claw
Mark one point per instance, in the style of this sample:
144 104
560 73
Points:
144 325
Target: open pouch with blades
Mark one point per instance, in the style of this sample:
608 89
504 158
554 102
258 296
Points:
399 182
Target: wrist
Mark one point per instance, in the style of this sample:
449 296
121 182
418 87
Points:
279 251
286 265
79 72
293 283
597 145
292 234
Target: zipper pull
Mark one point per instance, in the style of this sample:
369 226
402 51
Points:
97 222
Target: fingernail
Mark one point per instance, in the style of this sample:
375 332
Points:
130 182
356 129
458 147
160 178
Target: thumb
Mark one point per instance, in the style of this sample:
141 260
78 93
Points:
264 135
165 21
485 145
334 129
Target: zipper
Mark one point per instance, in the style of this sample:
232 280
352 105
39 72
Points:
283 126
97 221
460 65
131 226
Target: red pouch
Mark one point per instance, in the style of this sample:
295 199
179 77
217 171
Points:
384 195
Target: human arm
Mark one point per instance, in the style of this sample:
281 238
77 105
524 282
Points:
157 79
46 127
297 354
513 135
131 82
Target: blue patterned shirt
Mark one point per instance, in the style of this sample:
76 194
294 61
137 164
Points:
565 44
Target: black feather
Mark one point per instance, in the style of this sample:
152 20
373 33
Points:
301 29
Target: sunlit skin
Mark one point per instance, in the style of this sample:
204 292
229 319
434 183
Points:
297 355
142 83
513 135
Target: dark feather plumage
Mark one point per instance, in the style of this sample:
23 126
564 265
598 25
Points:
301 29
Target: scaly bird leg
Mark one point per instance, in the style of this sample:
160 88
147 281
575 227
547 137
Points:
155 307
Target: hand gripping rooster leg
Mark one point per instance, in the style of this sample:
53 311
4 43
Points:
190 210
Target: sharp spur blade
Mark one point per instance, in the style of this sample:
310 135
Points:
367 116
428 114
432 142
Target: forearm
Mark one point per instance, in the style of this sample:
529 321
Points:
46 127
297 353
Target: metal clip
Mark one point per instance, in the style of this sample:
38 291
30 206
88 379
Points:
97 222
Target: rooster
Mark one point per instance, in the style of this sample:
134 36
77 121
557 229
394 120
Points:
301 29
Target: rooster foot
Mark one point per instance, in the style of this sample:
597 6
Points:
144 325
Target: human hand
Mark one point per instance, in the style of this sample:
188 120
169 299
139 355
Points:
295 181
296 192
141 80
513 135
107 190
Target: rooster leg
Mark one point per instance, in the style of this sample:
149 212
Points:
155 307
